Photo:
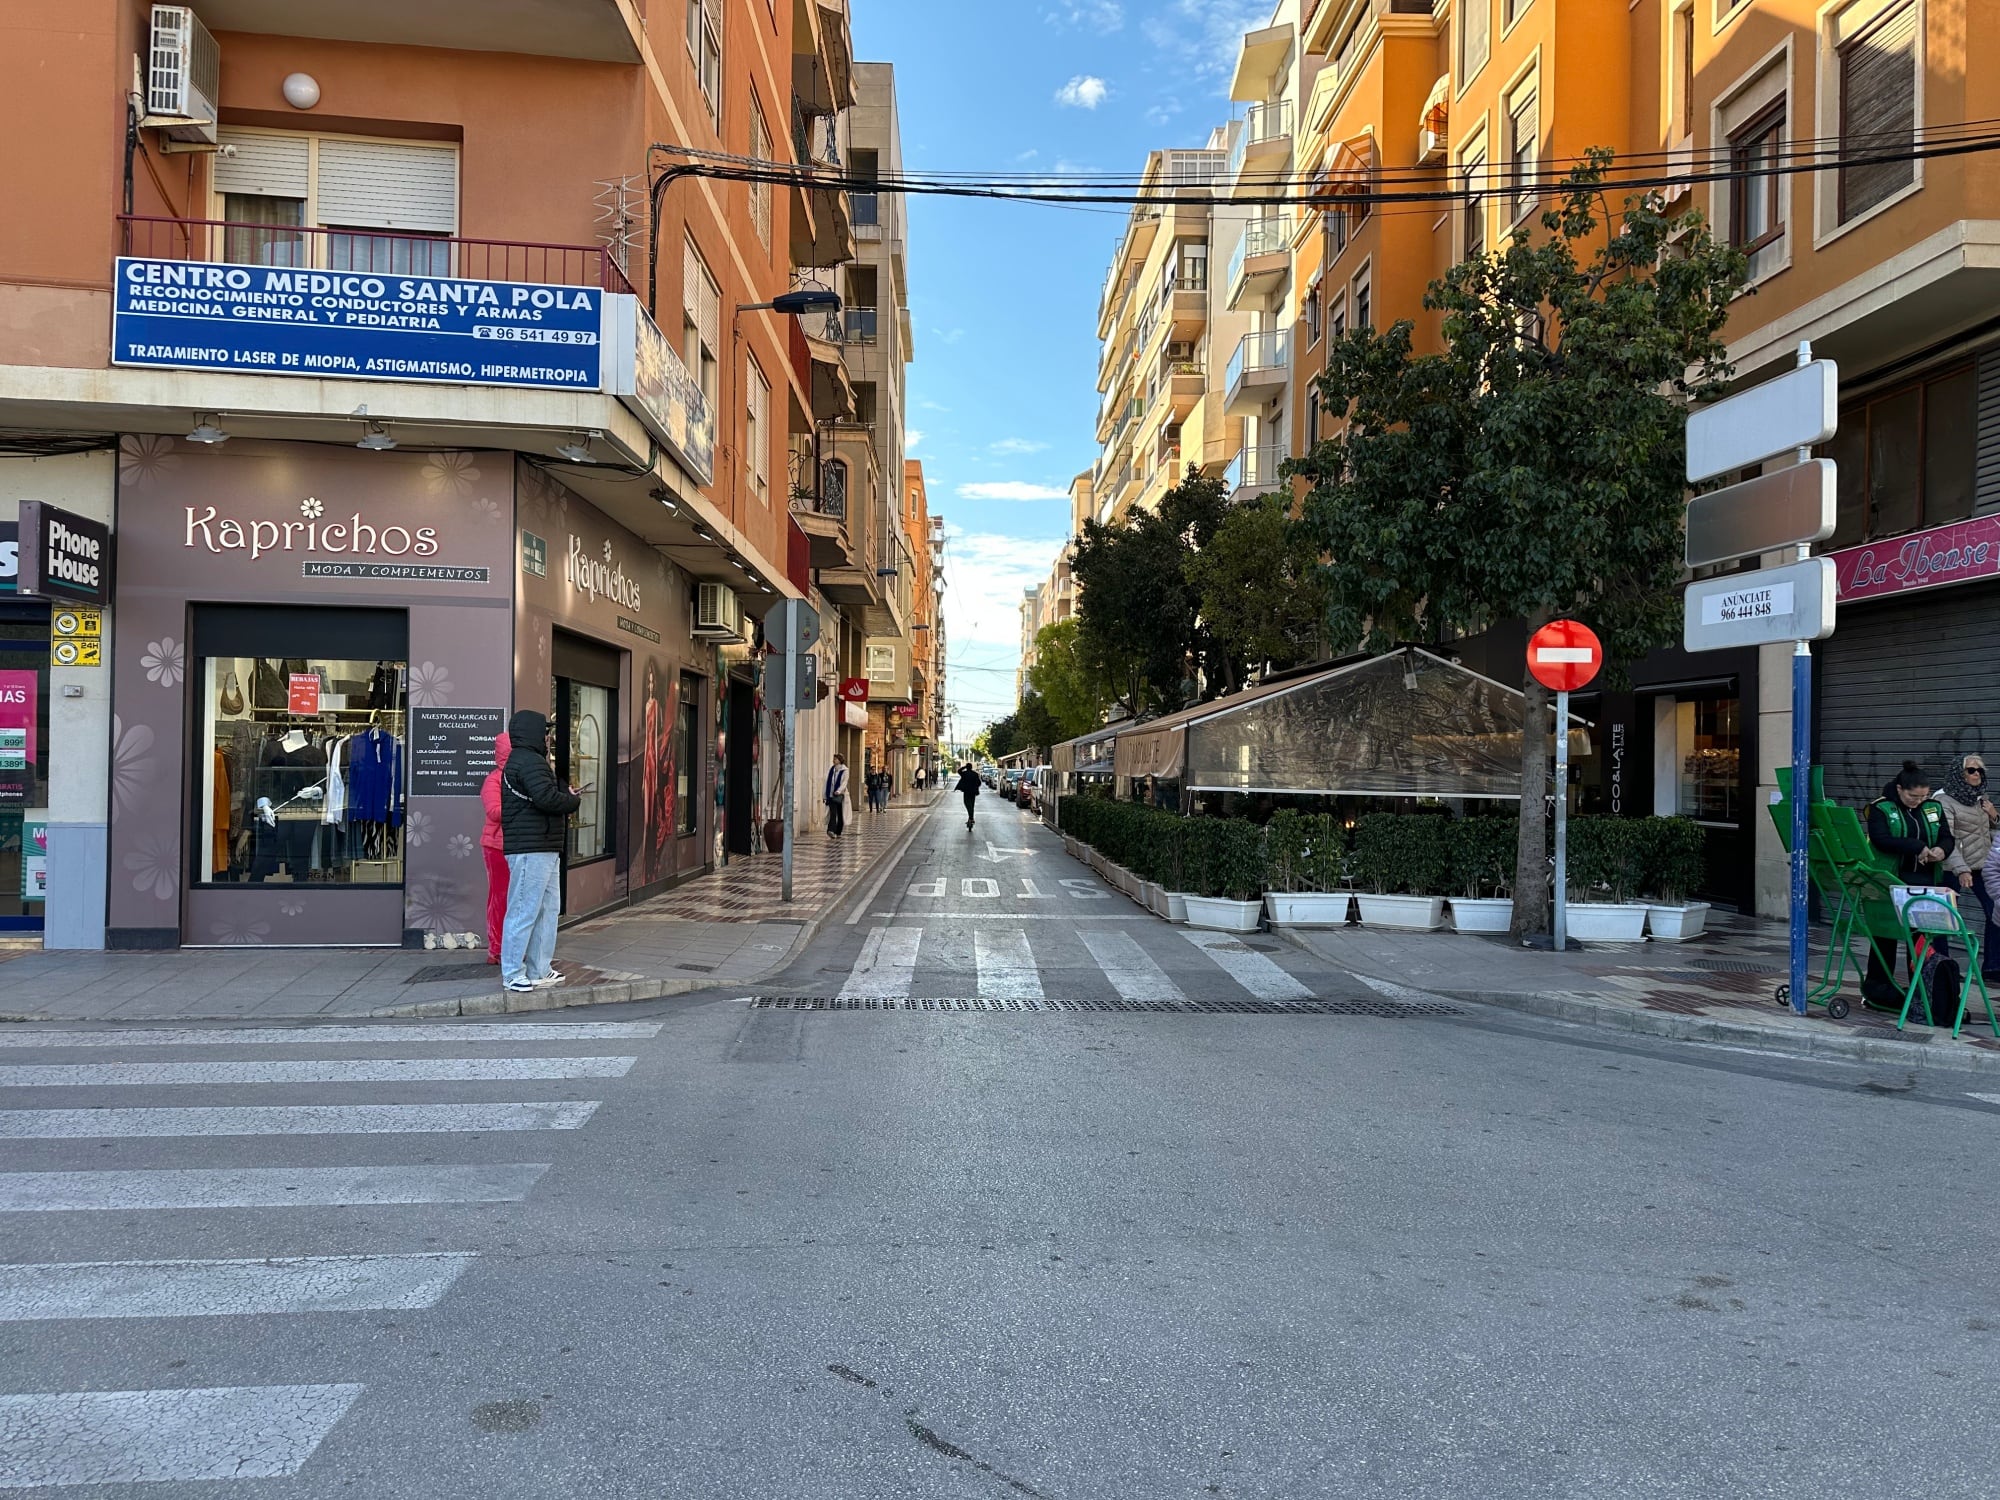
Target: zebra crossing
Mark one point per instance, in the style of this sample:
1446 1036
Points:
1006 963
214 1114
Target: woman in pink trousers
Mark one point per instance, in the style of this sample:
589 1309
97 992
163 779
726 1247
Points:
492 846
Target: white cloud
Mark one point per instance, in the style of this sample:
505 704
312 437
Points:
1010 489
912 436
933 406
1016 445
1085 91
1204 36
1164 111
1029 155
947 335
1104 16
985 574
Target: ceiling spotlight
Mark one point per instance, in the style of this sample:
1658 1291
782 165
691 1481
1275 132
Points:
376 439
207 429
660 494
703 532
577 449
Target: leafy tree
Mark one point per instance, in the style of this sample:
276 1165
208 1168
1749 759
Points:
1532 469
1067 680
1003 736
1258 586
1036 726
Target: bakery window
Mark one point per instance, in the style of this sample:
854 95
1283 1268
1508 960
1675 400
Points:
300 766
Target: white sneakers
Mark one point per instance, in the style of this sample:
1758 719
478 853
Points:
528 985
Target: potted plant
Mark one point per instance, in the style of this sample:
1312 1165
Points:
1303 853
1676 862
1482 867
1401 861
1229 875
1170 889
1604 872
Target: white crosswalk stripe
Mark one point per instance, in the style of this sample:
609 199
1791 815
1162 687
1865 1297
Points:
350 1070
293 1119
100 1434
1131 970
887 965
1248 967
221 1288
339 1036
139 1437
1006 965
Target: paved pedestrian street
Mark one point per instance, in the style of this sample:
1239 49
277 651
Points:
1004 1187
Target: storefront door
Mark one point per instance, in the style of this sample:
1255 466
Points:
1698 773
24 772
584 735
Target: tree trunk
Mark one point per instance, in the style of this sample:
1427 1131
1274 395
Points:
1532 913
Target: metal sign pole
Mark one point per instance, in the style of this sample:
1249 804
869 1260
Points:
1801 790
790 759
1562 822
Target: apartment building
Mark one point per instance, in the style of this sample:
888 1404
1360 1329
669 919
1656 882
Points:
391 382
1167 335
1881 265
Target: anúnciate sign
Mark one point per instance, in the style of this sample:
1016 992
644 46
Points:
1963 552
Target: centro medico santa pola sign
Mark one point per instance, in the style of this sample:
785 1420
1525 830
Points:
285 320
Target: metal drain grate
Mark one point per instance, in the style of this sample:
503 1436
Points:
1394 1010
438 972
1738 966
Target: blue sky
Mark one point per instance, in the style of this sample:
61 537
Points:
1003 394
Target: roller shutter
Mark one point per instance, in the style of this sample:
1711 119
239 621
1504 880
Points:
384 185
1908 680
266 166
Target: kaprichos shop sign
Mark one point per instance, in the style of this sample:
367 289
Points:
313 532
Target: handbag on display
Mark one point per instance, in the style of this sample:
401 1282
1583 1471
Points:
231 699
267 685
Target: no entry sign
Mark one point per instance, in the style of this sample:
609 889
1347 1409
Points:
1564 655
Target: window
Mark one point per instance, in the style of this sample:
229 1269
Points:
583 722
687 811
704 39
1682 22
1362 311
1336 232
1311 313
297 199
864 165
1905 458
864 403
1475 37
1877 58
1510 11
1312 418
1708 756
760 192
757 434
864 292
881 663
1524 146
1473 214
1336 318
302 766
1754 214
701 320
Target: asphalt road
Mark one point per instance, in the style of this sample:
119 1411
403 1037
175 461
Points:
1184 1243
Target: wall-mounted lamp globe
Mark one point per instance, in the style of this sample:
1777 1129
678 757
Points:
301 90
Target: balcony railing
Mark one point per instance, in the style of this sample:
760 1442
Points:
815 138
1256 468
370 252
865 209
1270 350
1268 236
861 324
1270 121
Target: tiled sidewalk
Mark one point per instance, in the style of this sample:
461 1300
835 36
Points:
726 927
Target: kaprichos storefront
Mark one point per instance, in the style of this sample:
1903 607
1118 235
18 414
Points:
313 660
603 646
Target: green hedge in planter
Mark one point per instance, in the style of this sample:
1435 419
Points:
1673 858
1606 856
1482 856
1304 850
1224 857
1404 853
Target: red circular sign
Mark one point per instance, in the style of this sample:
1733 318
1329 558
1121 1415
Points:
854 689
1564 655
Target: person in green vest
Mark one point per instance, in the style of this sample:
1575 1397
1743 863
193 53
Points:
1906 823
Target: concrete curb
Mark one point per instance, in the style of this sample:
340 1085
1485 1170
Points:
621 992
1811 1042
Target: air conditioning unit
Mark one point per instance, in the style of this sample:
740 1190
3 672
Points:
183 76
1431 147
717 615
1178 351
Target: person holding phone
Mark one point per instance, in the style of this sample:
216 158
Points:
534 827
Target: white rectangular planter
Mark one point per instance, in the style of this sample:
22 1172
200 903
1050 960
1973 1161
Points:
1676 924
1608 921
1072 848
1307 908
1176 905
1219 914
1148 895
1482 913
1413 913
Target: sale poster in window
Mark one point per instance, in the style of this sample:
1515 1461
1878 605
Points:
19 707
35 854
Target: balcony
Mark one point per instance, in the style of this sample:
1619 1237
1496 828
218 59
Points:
851 478
822 55
589 30
822 229
860 325
1263 148
1182 383
1255 471
865 210
370 253
1259 370
1262 261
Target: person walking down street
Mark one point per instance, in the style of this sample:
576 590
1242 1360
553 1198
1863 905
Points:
493 844
836 797
1971 866
968 788
1907 823
534 825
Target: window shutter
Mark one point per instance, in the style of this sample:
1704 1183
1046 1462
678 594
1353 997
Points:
266 166
1878 107
1986 453
379 185
1476 39
699 298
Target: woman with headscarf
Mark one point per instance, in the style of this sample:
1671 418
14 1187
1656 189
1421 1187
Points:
1971 866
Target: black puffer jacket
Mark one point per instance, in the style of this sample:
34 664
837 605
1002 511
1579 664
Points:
534 809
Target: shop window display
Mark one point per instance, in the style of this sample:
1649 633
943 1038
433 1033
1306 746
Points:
303 779
587 714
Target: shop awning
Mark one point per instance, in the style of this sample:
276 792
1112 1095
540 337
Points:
1408 724
1085 752
1350 168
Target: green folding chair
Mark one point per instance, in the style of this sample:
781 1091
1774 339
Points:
1927 918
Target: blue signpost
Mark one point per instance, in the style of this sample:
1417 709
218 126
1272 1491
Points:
366 325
